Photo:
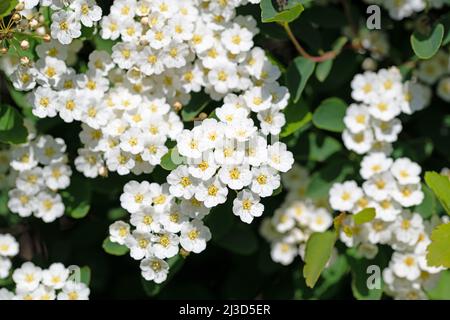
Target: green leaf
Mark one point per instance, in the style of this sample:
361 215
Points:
6 7
442 290
428 206
439 249
198 102
171 160
240 240
426 46
364 216
12 129
441 187
323 70
151 288
85 275
291 12
317 254
297 75
321 146
116 214
297 116
113 248
330 115
77 197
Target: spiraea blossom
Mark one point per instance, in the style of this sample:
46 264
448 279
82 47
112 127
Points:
372 124
38 170
290 227
67 17
435 72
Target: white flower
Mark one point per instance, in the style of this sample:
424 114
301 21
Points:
88 11
23 158
146 220
194 236
173 219
320 220
65 27
57 176
136 196
279 158
55 276
21 202
406 171
405 266
89 162
235 176
182 184
343 196
265 181
363 88
139 244
211 192
119 231
379 186
165 245
49 206
283 253
154 269
271 121
374 163
407 228
74 291
357 118
194 208
27 277
387 131
9 247
387 209
360 142
237 39
247 206
408 194
44 102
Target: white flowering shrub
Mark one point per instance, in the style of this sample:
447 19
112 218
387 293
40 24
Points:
235 149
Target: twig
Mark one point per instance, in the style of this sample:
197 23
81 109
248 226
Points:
324 57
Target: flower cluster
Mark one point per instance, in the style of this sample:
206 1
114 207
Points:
161 224
298 217
68 17
33 283
371 124
398 10
38 170
436 70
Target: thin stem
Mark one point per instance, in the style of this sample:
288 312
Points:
326 56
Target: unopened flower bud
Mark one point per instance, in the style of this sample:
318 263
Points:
46 38
24 60
177 106
24 45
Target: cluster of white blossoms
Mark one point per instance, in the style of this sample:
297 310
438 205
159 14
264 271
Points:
68 17
436 70
162 224
398 10
372 124
38 169
390 187
33 283
289 228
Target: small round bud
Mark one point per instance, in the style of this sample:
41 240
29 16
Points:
184 253
103 171
33 23
3 50
202 116
41 19
24 60
16 17
41 31
47 38
20 6
144 21
369 64
24 45
177 106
